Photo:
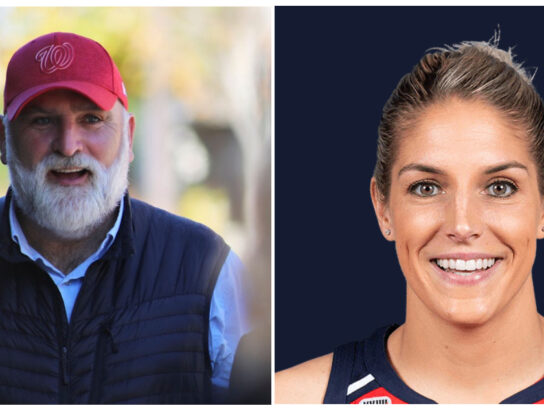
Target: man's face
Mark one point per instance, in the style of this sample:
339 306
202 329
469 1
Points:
66 123
68 161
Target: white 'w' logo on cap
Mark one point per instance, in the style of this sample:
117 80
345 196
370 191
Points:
54 57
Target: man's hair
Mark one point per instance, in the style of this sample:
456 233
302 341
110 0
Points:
470 71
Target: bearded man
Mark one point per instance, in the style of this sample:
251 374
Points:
103 298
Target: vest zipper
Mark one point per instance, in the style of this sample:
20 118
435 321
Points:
64 342
64 358
63 334
63 337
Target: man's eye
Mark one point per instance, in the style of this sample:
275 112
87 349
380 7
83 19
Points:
41 121
425 189
91 118
501 189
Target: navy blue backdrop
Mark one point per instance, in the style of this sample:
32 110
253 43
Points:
336 278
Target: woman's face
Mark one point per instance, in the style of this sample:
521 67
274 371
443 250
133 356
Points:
464 210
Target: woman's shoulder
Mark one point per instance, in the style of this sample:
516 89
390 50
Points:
304 383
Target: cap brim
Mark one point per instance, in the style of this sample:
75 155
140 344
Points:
102 97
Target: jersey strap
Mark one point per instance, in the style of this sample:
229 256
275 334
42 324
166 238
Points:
361 374
342 365
350 380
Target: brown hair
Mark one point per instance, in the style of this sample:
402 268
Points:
468 70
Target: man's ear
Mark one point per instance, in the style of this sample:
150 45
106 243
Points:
3 154
131 127
382 211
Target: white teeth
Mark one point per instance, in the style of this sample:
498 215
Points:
462 273
67 170
460 265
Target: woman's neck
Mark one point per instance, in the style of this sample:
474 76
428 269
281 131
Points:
484 363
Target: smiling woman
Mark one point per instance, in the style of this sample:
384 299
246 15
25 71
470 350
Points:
465 194
458 186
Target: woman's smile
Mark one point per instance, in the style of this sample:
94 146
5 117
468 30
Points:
468 269
465 225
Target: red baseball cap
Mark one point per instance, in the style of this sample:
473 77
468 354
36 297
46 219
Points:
62 61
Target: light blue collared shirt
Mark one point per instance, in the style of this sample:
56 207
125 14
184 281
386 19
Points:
229 309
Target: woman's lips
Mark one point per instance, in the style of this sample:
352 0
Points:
468 271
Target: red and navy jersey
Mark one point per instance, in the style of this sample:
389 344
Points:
361 374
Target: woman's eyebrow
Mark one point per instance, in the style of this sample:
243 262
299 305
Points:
504 166
420 167
430 169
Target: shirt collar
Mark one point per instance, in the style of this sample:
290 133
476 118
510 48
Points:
18 236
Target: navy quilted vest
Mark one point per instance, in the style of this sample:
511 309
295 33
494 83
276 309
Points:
139 328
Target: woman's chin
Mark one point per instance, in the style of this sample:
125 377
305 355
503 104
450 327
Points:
467 313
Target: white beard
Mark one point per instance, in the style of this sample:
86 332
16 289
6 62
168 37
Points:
69 212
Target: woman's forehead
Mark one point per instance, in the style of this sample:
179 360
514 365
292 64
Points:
457 121
462 132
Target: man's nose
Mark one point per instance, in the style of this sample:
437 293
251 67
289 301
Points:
464 219
68 141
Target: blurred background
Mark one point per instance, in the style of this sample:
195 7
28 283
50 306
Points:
198 82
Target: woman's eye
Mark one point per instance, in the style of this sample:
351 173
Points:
501 189
425 189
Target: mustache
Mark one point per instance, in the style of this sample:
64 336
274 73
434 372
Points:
56 161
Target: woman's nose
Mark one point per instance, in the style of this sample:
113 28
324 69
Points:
464 220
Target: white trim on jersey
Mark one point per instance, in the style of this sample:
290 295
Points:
360 383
